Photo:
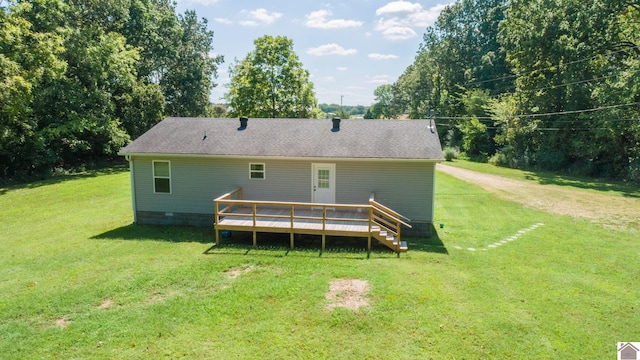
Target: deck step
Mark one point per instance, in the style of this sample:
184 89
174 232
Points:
403 246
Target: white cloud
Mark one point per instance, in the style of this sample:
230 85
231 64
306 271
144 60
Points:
379 79
399 7
318 20
399 33
342 68
202 2
223 21
259 17
377 56
331 49
403 16
428 17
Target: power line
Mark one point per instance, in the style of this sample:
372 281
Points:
541 129
574 83
548 67
560 85
570 112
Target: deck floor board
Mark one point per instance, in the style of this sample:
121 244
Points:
340 221
307 218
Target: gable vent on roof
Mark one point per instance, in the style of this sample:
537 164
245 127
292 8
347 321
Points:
336 124
243 122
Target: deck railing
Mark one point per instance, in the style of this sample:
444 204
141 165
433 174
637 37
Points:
233 205
387 220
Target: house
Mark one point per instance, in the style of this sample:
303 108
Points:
627 351
181 165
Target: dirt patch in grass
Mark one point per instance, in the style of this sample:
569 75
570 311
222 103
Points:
610 211
106 303
62 323
348 293
234 273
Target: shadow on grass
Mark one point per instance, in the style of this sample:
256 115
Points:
431 244
312 244
627 189
168 233
546 178
116 169
240 241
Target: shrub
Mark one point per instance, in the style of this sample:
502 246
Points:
450 153
499 159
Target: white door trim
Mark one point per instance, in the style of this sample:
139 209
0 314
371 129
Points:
326 195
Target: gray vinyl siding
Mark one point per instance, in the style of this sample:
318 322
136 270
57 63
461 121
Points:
195 182
406 187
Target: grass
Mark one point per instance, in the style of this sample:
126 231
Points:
77 280
549 178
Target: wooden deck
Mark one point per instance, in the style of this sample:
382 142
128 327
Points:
370 221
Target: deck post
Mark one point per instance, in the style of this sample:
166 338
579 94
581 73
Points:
216 219
255 238
324 226
399 237
370 224
255 207
291 212
324 218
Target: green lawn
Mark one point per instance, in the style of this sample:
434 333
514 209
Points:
77 280
549 178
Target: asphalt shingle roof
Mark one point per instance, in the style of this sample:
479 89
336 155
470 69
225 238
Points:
358 139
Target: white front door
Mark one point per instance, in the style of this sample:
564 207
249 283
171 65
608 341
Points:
324 183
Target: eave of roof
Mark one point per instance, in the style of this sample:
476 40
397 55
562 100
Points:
257 157
291 138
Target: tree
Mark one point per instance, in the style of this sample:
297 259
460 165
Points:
384 105
466 51
476 138
29 55
459 53
270 82
571 56
189 79
79 78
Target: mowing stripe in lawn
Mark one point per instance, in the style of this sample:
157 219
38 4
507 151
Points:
514 237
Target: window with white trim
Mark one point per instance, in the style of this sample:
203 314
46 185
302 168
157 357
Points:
161 177
257 171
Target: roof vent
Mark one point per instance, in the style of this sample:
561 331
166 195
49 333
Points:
243 123
336 124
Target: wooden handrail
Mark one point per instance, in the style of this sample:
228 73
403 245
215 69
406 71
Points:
377 208
388 213
230 194
216 205
287 203
372 199
380 216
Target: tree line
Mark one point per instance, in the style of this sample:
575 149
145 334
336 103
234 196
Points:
546 84
80 78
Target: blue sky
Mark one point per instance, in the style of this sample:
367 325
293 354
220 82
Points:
349 47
